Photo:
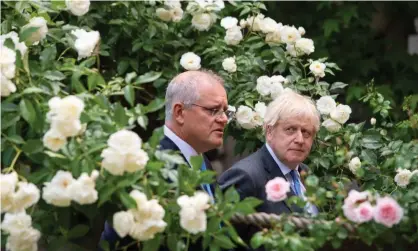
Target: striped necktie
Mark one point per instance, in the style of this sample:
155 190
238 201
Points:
296 183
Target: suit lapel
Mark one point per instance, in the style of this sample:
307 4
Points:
273 171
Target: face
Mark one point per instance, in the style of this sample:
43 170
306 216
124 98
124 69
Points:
200 128
291 140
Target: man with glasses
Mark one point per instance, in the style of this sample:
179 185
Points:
196 108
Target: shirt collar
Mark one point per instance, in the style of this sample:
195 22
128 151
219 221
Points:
285 169
184 147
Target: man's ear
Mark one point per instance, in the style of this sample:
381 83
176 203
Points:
178 113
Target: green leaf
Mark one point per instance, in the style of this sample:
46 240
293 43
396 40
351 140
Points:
95 79
28 111
47 56
9 120
31 90
27 32
54 75
153 244
223 241
148 77
337 85
231 195
330 26
196 162
154 105
312 181
78 231
257 240
120 115
9 107
127 200
16 139
371 142
129 93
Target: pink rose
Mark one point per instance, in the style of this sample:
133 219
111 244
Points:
354 199
277 189
387 211
364 212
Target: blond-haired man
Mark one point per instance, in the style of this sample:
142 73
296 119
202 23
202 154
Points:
290 125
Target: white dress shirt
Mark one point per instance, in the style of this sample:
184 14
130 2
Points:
311 209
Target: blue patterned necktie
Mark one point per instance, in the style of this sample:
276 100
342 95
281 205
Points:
207 187
296 183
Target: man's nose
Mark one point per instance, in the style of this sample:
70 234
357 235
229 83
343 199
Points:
299 137
223 118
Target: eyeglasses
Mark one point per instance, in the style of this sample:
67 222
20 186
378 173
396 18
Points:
218 112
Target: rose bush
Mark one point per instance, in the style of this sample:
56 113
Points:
82 86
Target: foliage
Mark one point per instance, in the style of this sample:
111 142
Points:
122 84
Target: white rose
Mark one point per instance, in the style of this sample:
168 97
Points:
125 141
172 3
301 31
8 183
402 177
25 240
83 190
229 22
8 56
176 14
136 161
15 38
78 7
8 70
232 108
67 109
318 69
268 25
229 64
7 86
163 14
289 34
341 113
263 85
373 121
233 36
277 79
139 197
147 229
192 212
148 217
305 45
123 222
39 34
331 125
190 61
14 223
276 89
113 161
325 105
243 23
211 5
255 23
260 108
354 164
67 128
27 195
54 140
202 21
86 42
290 48
274 37
56 192
244 117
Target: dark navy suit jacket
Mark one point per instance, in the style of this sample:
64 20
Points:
249 177
110 235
